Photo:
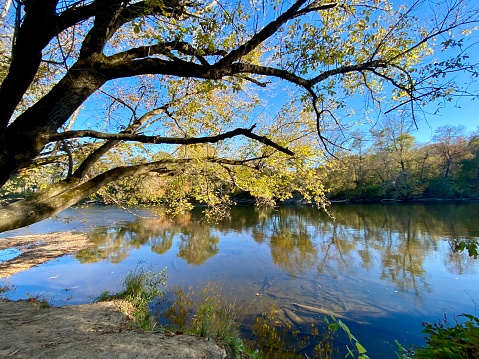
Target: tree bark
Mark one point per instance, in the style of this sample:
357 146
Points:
66 193
24 138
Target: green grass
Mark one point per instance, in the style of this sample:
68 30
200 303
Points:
140 288
207 314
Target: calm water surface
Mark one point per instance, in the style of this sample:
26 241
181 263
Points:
383 268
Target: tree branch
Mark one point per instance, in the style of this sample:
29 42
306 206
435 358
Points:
269 30
225 161
168 140
316 6
68 151
108 145
163 48
64 194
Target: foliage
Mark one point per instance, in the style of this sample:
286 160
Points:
460 341
469 245
393 166
140 288
358 351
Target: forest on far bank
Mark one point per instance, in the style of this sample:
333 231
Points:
388 163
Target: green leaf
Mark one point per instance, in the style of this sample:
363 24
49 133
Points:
346 330
360 348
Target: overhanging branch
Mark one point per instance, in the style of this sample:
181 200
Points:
294 11
247 132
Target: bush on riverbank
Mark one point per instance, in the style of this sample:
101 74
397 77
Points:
459 341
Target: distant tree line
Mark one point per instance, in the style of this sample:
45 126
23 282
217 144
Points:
390 164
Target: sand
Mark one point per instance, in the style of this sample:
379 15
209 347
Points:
30 329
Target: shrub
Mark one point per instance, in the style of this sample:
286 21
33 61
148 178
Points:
460 341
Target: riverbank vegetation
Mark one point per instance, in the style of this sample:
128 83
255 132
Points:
388 163
205 314
140 288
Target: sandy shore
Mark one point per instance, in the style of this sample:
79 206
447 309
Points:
37 249
99 330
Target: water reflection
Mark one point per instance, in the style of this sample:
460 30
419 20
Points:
398 238
197 247
375 265
390 244
115 243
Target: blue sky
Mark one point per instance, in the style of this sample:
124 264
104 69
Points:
457 112
463 112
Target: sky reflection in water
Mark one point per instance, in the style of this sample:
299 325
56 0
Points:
384 268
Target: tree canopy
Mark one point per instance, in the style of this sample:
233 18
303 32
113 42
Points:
201 98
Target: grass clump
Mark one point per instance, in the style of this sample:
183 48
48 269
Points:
140 288
207 314
39 300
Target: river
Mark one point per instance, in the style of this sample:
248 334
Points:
383 268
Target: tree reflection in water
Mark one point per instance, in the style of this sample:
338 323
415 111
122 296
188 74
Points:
397 238
304 262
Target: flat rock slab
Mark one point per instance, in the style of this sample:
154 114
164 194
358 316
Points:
99 330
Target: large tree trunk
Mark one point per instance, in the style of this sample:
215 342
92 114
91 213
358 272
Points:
64 194
25 138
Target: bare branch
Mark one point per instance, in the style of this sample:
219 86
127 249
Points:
315 6
247 132
256 82
225 161
163 48
396 84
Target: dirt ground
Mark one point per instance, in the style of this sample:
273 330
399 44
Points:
30 329
99 330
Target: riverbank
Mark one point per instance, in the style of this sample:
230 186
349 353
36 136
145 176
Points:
31 329
24 252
